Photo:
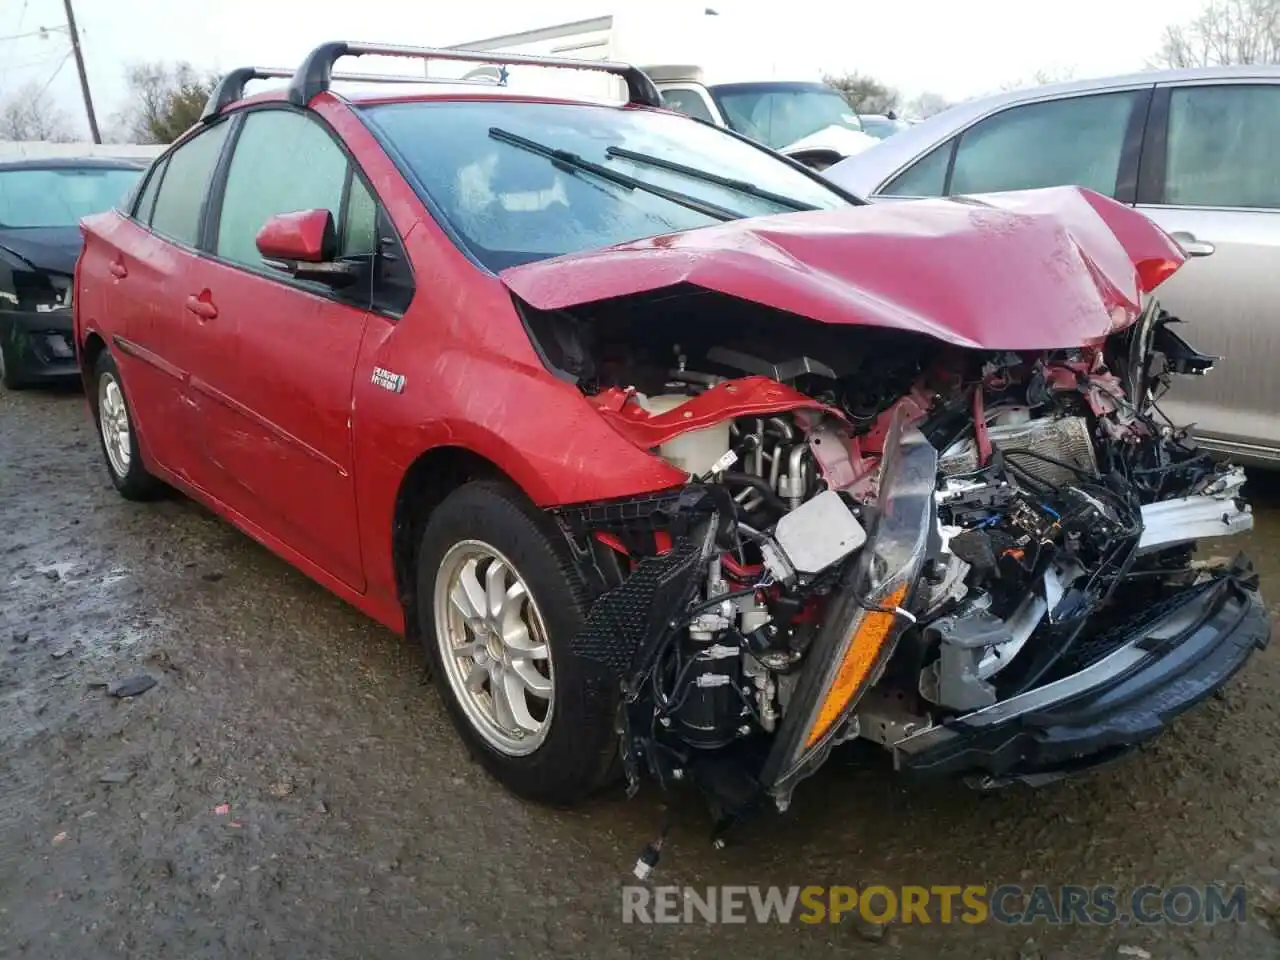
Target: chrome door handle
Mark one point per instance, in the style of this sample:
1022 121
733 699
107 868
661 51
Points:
1191 246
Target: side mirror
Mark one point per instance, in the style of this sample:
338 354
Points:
304 244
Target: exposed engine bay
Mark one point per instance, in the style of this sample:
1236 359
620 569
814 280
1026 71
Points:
901 533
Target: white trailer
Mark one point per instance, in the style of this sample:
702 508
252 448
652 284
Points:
704 65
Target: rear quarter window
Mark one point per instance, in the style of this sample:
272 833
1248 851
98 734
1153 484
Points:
147 201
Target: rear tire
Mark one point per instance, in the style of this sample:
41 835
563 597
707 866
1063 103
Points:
116 435
482 546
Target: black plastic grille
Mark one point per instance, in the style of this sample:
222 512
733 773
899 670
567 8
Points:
1089 649
629 618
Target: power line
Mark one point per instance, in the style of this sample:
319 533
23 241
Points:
39 32
73 34
47 57
56 70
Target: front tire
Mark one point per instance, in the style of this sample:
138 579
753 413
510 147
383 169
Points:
499 602
116 434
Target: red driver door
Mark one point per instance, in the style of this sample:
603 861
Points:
273 384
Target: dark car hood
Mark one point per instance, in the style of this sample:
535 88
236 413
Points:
1029 270
45 248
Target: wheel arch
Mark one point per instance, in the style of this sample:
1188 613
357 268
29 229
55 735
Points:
431 477
92 347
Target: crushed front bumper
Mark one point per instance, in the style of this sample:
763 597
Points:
1167 664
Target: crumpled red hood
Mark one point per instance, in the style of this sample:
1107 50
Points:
1030 270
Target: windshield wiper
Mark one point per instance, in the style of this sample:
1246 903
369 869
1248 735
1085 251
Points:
750 189
567 160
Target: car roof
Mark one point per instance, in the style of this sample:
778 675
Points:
73 163
1046 91
864 172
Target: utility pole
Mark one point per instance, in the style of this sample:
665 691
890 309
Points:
84 78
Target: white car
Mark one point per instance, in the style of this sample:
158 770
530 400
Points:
808 121
1196 151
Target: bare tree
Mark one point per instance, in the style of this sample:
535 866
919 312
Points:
865 94
164 100
1051 74
1226 32
31 114
926 105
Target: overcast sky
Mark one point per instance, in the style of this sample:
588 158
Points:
958 49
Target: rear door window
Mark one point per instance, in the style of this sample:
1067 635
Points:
185 185
1077 141
1222 147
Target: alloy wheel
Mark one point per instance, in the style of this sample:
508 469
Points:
113 420
493 645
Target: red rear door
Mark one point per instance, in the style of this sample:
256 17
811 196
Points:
139 267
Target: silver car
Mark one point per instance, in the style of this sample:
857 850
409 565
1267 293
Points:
1196 150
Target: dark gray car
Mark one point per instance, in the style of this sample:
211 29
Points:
41 203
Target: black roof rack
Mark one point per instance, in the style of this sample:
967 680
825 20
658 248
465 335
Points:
316 72
231 87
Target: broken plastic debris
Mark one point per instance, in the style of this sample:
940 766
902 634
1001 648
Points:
222 809
59 837
132 687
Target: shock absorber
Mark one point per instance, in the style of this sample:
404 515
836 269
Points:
710 707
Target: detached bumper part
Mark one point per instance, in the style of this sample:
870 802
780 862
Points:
1168 665
1215 513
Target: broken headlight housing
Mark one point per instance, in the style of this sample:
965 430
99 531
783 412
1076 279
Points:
865 616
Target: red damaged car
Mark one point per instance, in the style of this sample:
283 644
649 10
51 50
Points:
680 462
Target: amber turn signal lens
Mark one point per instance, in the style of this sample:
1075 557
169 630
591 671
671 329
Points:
1152 273
860 658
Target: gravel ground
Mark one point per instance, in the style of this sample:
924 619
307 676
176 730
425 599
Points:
291 788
